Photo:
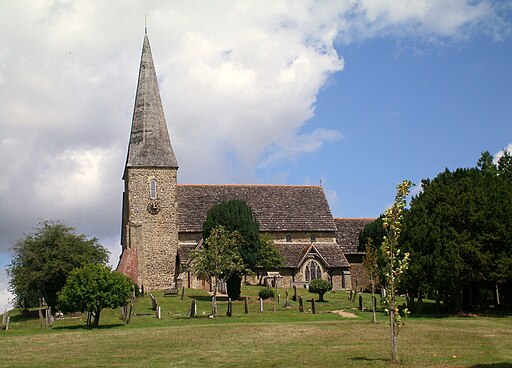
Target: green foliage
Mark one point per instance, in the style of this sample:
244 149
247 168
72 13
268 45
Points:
92 288
270 257
374 231
43 260
397 263
219 258
236 215
371 265
458 233
266 293
320 287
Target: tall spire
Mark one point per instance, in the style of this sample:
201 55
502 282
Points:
150 145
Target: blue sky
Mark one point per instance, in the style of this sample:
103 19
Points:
408 109
356 94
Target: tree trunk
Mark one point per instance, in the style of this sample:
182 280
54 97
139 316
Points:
97 318
320 297
394 349
497 295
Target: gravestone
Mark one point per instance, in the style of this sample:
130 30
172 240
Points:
246 305
313 306
278 298
192 311
361 305
229 312
182 293
350 295
294 297
286 302
158 312
154 304
301 305
214 305
261 305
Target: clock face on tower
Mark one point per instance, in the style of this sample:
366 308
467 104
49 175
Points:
153 207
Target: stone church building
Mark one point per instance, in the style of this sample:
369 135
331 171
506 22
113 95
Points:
162 220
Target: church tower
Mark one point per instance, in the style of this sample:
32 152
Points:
149 234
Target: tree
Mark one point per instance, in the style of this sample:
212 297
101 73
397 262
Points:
236 215
371 264
270 257
92 288
320 287
458 233
374 231
219 258
43 260
397 263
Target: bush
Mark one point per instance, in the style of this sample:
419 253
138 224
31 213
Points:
320 287
266 293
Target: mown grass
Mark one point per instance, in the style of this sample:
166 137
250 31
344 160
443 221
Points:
278 337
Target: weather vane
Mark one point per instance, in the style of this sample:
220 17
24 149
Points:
145 24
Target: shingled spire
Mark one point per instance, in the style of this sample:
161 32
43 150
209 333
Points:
150 145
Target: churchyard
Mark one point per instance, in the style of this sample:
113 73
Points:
277 337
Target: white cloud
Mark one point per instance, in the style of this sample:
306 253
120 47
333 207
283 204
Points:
500 153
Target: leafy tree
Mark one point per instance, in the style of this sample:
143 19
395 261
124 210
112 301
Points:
374 231
270 257
236 215
43 260
371 265
92 288
397 263
320 287
458 234
219 258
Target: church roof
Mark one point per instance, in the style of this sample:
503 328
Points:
347 233
150 145
294 253
275 207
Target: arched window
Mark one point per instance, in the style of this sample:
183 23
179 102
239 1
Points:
312 271
152 189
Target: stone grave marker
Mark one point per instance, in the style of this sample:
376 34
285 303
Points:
246 305
313 306
301 305
229 312
193 309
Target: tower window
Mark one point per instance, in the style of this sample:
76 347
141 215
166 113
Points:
152 189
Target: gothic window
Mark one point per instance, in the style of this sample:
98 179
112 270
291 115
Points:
312 271
152 189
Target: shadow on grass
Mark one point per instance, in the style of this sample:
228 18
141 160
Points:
365 359
84 327
493 365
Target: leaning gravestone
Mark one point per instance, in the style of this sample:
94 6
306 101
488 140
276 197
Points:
286 302
301 305
154 304
294 297
361 305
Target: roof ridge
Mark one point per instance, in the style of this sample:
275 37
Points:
251 185
355 218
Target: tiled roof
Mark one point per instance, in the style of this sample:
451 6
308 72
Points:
292 253
347 233
332 254
184 250
275 207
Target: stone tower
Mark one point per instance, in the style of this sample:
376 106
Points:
149 234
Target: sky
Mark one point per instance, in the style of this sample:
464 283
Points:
353 95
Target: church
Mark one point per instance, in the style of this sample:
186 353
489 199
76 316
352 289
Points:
162 220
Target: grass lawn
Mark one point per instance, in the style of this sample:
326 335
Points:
277 337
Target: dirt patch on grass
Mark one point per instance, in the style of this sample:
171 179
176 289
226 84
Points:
342 313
